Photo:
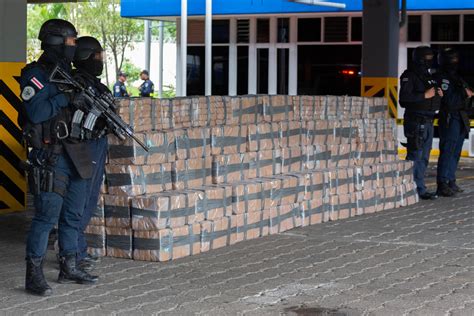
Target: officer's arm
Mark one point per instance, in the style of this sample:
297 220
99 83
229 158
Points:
410 90
124 91
39 105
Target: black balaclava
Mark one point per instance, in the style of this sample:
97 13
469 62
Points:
91 65
423 57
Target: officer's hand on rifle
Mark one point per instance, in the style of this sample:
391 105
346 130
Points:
430 93
79 101
469 92
440 92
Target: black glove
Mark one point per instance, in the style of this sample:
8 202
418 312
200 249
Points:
79 101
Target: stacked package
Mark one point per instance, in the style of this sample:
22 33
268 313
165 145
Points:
221 170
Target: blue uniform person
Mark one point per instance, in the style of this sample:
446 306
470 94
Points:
89 64
421 98
57 178
120 90
147 87
453 120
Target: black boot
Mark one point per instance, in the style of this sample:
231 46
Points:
455 187
35 282
445 190
70 274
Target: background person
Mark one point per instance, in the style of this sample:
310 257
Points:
147 87
120 90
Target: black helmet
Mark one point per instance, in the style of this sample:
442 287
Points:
448 57
423 56
89 56
86 47
55 32
145 72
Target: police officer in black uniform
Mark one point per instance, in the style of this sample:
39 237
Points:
58 167
453 120
120 90
89 64
421 98
147 87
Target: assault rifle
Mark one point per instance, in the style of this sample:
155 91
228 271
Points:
98 106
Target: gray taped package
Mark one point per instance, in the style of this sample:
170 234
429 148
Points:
192 143
167 244
215 234
276 108
228 140
263 136
117 211
119 242
247 196
192 173
95 239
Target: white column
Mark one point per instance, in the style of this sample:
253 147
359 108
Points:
184 46
160 63
178 58
233 57
208 53
253 57
272 58
425 29
293 67
147 44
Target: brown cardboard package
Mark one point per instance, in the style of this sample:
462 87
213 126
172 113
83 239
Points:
157 178
214 202
284 217
95 238
244 110
167 244
215 234
228 140
269 163
192 143
117 211
191 173
119 242
276 108
292 134
234 168
263 136
256 224
293 159
125 180
247 196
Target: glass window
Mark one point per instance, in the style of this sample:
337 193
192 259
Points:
283 64
337 74
284 30
445 28
242 70
469 27
220 70
195 71
243 31
220 31
262 71
309 30
356 29
335 29
263 30
414 28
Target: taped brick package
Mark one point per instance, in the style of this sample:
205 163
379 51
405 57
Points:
284 217
233 168
388 151
271 191
191 173
192 143
117 211
215 234
214 202
293 188
137 113
162 112
161 149
340 156
119 242
312 211
164 210
292 134
316 185
98 217
368 201
390 197
137 180
249 226
293 159
247 196
167 244
245 110
95 238
229 140
263 136
269 162
276 108
366 154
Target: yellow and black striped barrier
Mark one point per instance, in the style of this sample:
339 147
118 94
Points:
12 150
382 87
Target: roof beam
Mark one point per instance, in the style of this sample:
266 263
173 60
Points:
322 3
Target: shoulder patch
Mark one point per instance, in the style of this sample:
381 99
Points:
36 83
27 93
444 86
117 88
405 79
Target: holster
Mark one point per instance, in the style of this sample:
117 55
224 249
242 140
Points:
81 158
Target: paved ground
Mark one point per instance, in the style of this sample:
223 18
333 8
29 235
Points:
410 261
